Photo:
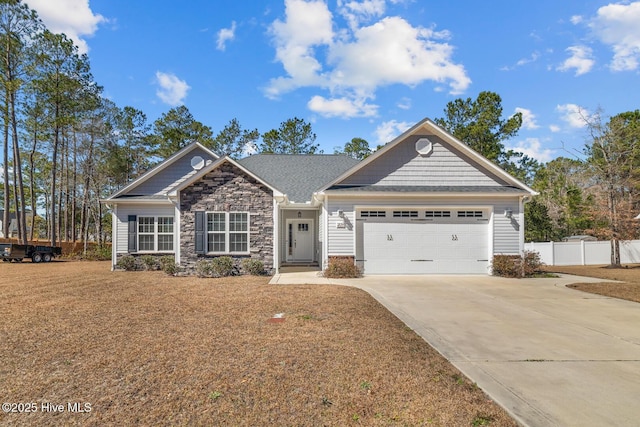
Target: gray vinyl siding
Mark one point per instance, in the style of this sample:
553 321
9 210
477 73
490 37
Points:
341 240
123 213
402 165
169 177
506 232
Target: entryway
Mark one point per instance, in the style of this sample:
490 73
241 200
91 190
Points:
300 240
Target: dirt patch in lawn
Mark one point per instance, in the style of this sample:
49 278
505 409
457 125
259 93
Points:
143 348
629 274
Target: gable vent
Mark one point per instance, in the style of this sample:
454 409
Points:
424 147
197 163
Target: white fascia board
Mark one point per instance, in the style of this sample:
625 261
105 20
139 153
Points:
388 195
123 201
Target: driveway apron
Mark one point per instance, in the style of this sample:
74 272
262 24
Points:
550 355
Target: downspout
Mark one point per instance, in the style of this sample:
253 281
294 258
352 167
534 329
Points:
324 200
176 229
114 235
523 200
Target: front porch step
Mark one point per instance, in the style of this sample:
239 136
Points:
300 264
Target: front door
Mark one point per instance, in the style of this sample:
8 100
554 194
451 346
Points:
300 240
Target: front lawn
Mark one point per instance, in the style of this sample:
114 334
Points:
629 274
142 348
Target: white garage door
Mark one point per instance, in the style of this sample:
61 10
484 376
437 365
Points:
419 245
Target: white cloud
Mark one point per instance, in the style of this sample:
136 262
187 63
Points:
581 60
554 128
574 115
521 62
528 118
172 90
364 11
387 131
341 107
576 19
308 24
533 148
354 62
617 25
404 103
225 35
71 17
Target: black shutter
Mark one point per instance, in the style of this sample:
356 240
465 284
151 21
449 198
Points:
133 234
200 233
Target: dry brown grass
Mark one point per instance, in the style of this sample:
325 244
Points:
629 274
147 349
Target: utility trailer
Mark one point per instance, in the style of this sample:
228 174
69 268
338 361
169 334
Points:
11 252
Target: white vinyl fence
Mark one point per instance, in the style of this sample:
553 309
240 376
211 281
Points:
584 253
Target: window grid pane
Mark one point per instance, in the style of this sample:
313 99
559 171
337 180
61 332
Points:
216 242
238 222
165 242
238 242
165 224
216 221
145 224
146 242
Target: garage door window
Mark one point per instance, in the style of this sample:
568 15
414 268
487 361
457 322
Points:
469 214
437 214
373 214
405 214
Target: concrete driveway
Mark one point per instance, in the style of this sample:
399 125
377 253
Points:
550 355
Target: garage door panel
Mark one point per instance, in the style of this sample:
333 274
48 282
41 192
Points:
405 247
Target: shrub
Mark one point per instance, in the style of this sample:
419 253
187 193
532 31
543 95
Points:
532 264
252 266
507 266
127 263
149 262
204 268
342 268
512 266
168 265
98 253
222 266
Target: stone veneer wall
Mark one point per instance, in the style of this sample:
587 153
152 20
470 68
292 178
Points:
228 189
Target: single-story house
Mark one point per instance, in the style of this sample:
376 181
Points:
424 203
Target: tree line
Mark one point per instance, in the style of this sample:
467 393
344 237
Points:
65 147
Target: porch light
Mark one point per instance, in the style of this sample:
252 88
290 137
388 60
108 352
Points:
341 213
508 213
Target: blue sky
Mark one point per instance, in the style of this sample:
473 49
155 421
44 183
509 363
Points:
367 69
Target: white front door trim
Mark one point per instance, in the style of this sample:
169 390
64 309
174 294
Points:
300 235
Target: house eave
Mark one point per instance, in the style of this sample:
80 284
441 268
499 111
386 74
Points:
123 200
417 194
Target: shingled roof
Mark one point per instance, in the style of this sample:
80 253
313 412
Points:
298 175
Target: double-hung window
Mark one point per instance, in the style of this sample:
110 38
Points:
228 232
165 233
146 234
155 234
